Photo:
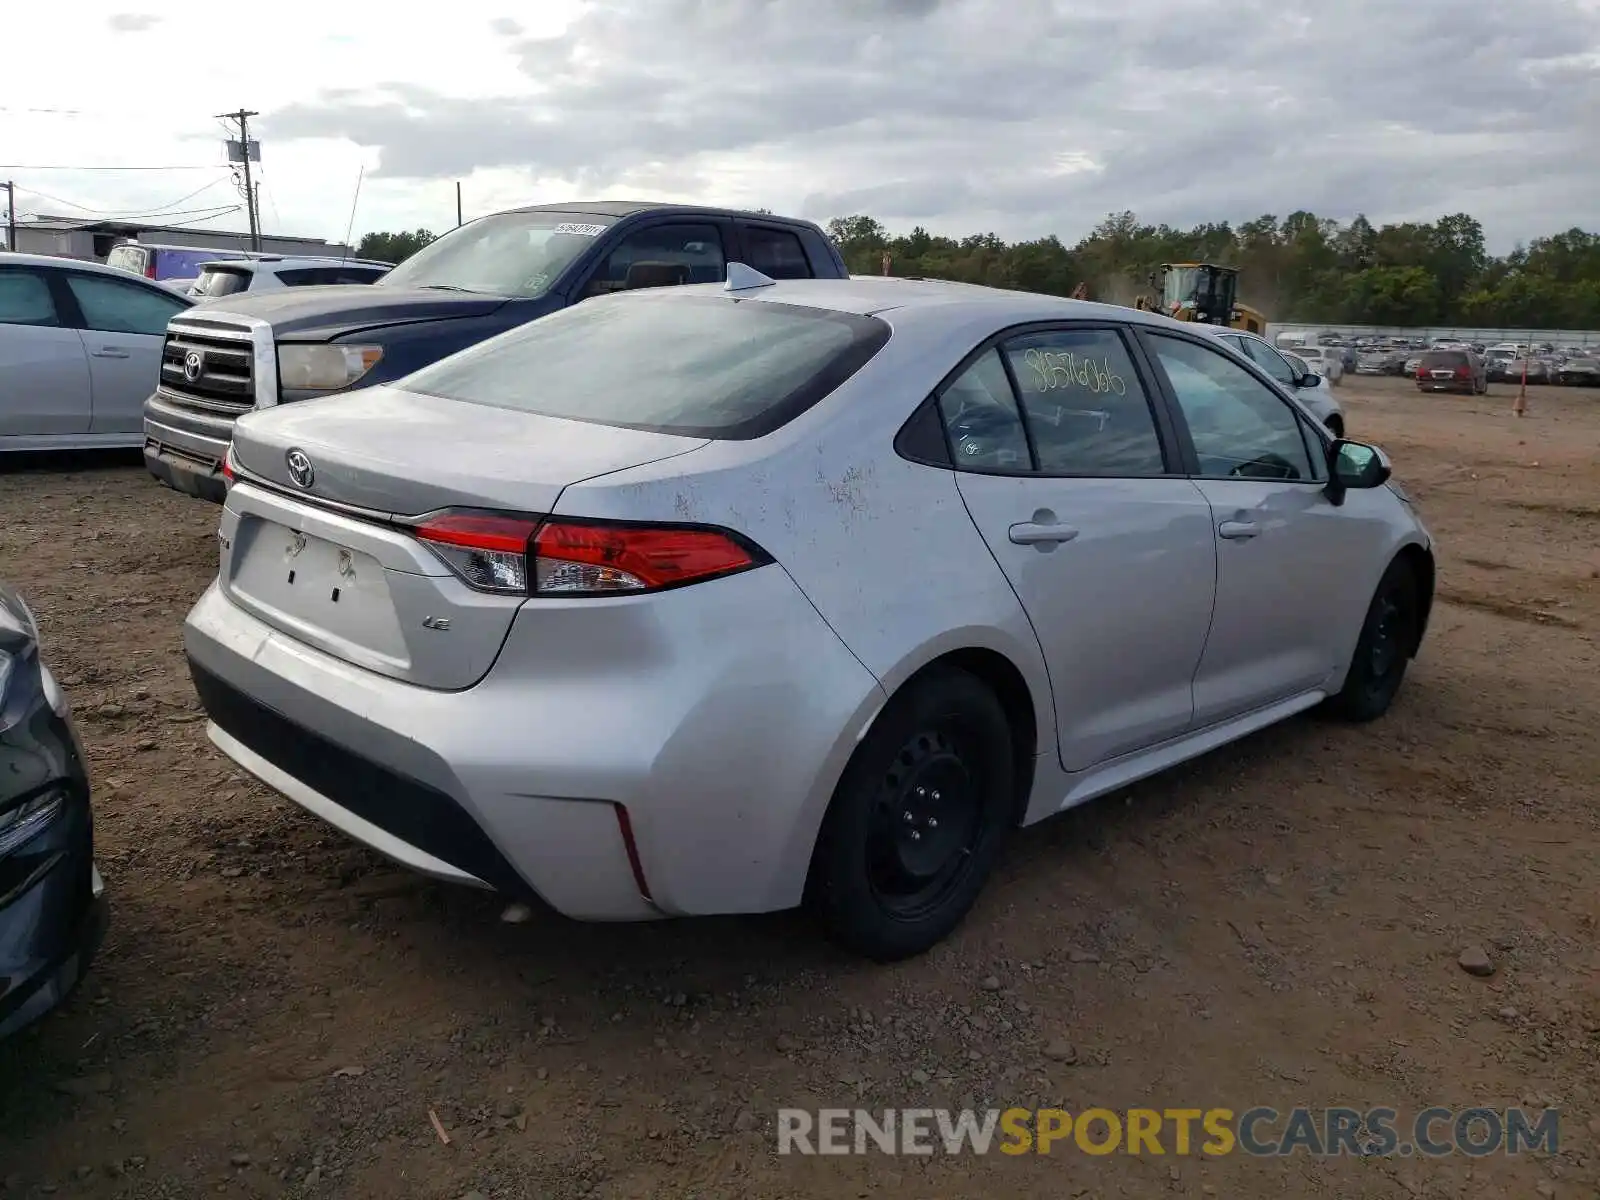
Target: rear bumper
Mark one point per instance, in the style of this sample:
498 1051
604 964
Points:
53 911
716 718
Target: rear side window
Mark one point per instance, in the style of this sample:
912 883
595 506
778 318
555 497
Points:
1444 358
221 281
25 299
979 411
1084 404
698 366
112 306
307 276
183 264
661 256
776 253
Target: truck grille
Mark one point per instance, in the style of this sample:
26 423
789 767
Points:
207 371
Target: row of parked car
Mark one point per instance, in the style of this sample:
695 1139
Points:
639 560
1575 366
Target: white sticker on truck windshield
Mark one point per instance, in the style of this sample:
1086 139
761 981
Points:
580 230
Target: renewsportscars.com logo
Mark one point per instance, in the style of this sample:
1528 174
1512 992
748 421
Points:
1259 1132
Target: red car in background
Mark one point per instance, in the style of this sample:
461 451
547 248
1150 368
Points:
1452 371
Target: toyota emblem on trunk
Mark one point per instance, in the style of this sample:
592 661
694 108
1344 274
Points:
300 468
193 363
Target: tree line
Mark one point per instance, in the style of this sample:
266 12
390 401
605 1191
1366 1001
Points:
1300 268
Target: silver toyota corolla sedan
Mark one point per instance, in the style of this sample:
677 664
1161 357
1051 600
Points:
716 599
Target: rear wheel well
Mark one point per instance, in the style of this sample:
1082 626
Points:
1000 675
1421 563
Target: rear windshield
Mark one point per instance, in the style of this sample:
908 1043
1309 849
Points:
1444 358
699 366
221 281
127 258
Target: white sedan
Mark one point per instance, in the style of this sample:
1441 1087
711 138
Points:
80 349
720 598
1324 362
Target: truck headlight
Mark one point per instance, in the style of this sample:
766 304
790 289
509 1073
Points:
324 368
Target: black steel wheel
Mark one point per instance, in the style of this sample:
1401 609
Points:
917 818
1388 641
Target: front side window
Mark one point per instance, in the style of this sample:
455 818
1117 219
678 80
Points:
661 256
509 254
1240 427
111 306
1270 361
25 299
697 366
1084 405
979 411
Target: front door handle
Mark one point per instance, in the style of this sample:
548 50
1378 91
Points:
109 352
1238 531
1039 533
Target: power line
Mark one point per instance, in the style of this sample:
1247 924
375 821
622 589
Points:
64 167
147 211
206 214
202 220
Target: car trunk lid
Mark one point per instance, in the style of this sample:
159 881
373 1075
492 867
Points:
316 534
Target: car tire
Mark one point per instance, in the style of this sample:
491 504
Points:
917 819
1388 639
1335 424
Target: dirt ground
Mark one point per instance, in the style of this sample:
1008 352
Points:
276 1011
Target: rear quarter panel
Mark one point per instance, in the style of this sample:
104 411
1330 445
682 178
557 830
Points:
883 549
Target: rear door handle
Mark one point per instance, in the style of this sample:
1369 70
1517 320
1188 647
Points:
1237 531
1035 533
109 352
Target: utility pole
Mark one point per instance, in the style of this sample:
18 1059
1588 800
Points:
242 119
458 204
11 215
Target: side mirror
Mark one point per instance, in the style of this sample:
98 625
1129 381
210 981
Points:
1309 380
1355 466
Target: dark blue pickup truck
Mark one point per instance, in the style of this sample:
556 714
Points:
253 350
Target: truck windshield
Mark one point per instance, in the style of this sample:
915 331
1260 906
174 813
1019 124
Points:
1181 287
509 254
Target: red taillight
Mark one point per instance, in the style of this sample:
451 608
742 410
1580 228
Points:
580 558
1463 372
229 471
150 271
489 552
560 557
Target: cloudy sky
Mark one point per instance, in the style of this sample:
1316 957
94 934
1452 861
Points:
1025 117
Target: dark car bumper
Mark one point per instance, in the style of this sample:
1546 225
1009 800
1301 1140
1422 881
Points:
53 911
193 477
184 448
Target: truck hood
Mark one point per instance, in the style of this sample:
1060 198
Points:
315 313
